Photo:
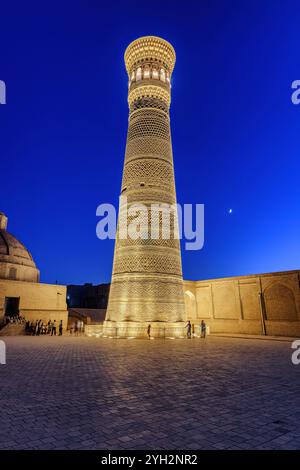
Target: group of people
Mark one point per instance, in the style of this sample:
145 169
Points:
77 328
191 327
18 319
38 328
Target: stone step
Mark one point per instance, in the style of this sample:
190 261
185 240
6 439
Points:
13 329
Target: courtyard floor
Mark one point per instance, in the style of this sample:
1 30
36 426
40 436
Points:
85 393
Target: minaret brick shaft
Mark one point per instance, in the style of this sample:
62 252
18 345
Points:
147 285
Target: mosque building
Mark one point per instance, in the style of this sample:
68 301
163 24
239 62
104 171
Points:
21 292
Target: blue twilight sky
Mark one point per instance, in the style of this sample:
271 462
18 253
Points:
236 133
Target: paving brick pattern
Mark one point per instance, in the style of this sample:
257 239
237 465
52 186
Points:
84 393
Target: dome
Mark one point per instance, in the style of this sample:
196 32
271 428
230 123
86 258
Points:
16 262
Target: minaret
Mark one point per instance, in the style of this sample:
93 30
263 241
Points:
147 285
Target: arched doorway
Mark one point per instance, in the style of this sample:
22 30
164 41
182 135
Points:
280 303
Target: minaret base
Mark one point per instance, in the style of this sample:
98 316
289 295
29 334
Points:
130 329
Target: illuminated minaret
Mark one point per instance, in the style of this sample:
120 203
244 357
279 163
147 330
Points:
146 285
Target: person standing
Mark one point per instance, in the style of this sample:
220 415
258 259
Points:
189 328
149 331
60 328
53 332
203 329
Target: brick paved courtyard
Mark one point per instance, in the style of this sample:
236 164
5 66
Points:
83 393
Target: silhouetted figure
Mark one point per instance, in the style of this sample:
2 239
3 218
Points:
189 328
203 329
60 328
149 331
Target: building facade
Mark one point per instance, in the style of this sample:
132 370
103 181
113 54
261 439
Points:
21 293
260 304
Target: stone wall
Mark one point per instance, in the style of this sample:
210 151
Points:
94 330
37 301
247 304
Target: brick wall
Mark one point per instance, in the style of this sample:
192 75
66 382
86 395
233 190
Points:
247 304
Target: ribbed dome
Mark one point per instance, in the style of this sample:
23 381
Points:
15 260
10 246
